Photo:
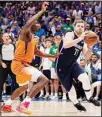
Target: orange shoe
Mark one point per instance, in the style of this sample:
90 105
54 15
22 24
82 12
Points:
22 109
6 108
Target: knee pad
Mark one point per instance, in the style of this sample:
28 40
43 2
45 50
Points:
85 81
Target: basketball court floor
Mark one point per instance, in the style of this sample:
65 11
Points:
56 108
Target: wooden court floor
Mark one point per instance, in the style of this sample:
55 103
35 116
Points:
56 108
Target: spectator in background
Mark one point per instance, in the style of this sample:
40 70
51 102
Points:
45 27
8 30
46 65
98 32
64 97
95 67
62 13
99 19
90 19
87 27
40 32
84 66
31 9
4 25
15 28
67 26
46 18
97 49
37 60
20 19
54 77
56 21
52 28
58 31
77 13
98 9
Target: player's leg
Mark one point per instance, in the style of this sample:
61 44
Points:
48 75
96 85
66 78
3 77
21 77
64 92
55 82
36 76
73 97
79 73
7 106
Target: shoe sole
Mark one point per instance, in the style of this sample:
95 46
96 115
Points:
25 111
7 110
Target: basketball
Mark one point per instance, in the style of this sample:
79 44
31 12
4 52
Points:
91 38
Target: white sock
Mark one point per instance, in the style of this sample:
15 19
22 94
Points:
56 94
88 94
41 92
72 95
9 102
47 94
64 94
51 94
27 99
4 91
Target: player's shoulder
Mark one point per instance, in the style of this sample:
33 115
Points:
70 33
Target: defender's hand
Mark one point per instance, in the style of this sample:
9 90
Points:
44 6
57 55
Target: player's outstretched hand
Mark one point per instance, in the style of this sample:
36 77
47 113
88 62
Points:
44 6
57 55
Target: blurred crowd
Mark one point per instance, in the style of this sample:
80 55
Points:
53 24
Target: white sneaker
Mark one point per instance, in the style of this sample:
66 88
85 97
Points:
54 97
47 97
64 98
96 98
41 96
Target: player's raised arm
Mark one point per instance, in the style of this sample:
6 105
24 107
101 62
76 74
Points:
41 54
34 18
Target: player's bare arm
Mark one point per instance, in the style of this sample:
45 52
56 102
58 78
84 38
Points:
41 54
68 39
25 31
